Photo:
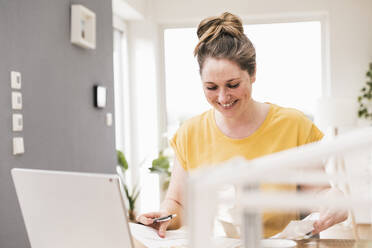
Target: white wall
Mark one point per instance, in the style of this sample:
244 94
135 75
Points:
129 9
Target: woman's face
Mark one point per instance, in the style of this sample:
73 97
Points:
227 88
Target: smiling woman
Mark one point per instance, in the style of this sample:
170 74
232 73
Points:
285 53
237 125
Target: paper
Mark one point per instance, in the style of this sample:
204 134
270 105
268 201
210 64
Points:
150 238
231 230
297 229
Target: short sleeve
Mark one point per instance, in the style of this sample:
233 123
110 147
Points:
309 132
314 134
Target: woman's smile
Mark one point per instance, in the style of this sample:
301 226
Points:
228 106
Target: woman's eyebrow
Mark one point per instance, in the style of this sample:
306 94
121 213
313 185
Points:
228 81
233 79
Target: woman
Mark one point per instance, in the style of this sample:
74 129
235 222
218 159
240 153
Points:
237 125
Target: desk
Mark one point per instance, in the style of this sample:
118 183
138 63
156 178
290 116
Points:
318 243
333 243
137 244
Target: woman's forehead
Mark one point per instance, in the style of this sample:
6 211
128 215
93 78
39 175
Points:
220 70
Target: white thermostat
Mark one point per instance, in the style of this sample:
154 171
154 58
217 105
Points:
83 26
100 96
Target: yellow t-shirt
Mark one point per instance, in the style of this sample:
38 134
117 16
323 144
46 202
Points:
199 142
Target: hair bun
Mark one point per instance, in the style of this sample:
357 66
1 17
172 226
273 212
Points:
213 27
233 21
222 37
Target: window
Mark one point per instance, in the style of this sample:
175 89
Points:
288 68
121 90
288 64
184 93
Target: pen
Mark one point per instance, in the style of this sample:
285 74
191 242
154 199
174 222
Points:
165 218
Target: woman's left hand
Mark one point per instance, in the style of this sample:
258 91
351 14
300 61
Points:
330 216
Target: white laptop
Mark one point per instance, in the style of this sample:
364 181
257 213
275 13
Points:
72 210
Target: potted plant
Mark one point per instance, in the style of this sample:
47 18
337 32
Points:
365 99
160 165
131 195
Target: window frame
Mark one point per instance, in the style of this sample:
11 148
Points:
123 100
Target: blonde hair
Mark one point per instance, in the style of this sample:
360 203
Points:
222 37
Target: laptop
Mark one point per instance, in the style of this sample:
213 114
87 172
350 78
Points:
70 209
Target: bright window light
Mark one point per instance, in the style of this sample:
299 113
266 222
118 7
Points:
288 64
184 92
288 68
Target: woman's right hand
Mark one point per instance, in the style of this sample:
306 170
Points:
172 203
148 220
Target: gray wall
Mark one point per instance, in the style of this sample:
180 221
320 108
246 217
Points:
62 129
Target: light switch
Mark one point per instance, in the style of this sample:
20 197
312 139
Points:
16 100
16 80
17 122
109 119
18 145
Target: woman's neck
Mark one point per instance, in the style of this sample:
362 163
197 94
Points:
246 123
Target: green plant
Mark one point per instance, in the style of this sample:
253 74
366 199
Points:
122 160
366 96
160 165
132 197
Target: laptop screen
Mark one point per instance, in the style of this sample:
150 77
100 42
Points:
69 209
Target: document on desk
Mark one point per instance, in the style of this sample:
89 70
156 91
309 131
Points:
150 238
298 229
174 238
